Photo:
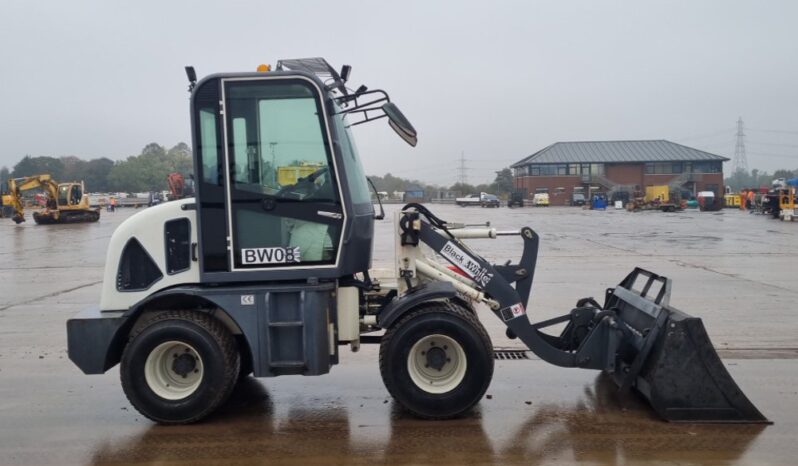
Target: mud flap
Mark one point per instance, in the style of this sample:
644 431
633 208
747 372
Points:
668 357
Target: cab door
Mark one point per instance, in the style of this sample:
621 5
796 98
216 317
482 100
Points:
284 207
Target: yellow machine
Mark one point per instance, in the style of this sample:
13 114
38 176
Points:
787 210
66 202
660 193
732 200
6 210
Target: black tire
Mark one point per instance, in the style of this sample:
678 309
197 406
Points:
451 321
246 367
217 353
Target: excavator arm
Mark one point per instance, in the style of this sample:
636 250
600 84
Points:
16 186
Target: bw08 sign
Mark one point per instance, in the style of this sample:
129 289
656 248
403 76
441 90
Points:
275 255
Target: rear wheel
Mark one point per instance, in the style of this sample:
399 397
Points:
437 362
179 366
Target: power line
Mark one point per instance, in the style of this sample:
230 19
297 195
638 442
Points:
770 154
776 144
726 132
780 131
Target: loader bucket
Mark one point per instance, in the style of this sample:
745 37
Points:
668 357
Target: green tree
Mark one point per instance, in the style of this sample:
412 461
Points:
504 181
180 159
463 189
39 165
74 169
95 174
742 179
787 174
148 170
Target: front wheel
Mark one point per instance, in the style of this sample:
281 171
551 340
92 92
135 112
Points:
437 362
179 366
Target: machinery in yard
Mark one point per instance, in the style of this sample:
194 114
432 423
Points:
540 199
490 200
656 198
66 202
784 199
516 198
470 200
179 188
256 277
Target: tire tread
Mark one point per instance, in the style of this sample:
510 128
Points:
431 308
227 343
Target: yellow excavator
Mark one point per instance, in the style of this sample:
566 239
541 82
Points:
66 202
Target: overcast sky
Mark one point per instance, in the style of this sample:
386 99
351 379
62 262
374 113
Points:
494 80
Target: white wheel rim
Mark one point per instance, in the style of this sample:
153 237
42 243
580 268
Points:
450 371
170 374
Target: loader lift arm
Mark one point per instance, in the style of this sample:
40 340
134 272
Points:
16 186
634 336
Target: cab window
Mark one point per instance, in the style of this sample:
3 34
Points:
278 147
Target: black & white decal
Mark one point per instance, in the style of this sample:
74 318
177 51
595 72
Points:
275 255
471 267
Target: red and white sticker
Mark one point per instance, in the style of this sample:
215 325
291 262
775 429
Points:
517 310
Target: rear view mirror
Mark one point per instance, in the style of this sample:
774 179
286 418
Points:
400 123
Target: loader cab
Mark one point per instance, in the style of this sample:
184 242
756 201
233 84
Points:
281 194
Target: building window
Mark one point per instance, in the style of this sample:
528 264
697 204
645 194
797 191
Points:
564 169
548 170
665 168
707 167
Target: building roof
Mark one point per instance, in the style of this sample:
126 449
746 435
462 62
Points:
617 152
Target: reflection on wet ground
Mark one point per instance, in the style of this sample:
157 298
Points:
535 414
594 429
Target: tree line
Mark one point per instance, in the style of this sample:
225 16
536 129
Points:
754 179
502 184
147 171
144 172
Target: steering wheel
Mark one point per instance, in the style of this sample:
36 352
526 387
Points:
304 187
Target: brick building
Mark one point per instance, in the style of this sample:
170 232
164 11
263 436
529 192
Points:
618 169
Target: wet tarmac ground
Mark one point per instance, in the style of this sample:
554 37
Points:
735 270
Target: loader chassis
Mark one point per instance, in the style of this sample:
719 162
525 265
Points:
267 274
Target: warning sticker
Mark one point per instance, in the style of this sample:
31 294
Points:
275 255
468 265
516 310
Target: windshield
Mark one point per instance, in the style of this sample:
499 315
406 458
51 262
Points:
355 176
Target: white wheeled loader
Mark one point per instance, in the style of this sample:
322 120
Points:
266 272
